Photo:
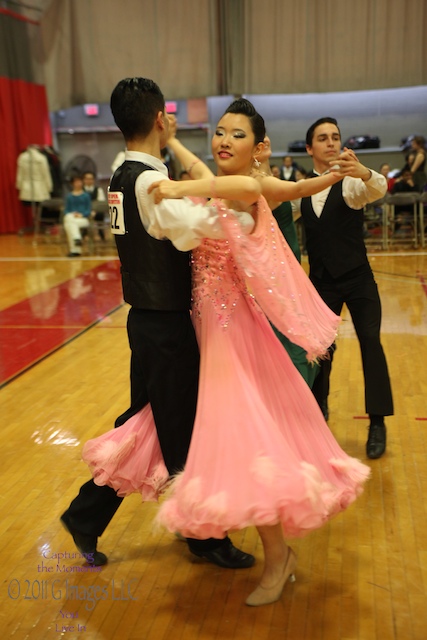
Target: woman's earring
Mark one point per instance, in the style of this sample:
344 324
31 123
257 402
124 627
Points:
257 163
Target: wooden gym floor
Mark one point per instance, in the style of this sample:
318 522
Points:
64 370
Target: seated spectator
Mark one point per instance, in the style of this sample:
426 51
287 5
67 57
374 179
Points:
385 170
275 171
90 186
96 195
287 170
76 215
300 173
403 184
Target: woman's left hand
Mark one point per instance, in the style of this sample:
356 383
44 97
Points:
348 164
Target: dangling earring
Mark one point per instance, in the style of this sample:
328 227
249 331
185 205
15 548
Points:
257 163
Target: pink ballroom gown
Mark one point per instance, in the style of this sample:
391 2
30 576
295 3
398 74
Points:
261 451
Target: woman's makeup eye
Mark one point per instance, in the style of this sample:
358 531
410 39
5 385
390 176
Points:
236 134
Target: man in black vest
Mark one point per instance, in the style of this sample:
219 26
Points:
154 243
340 270
97 195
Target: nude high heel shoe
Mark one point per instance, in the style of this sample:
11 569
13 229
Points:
261 595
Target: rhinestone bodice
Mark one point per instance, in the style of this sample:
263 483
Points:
216 278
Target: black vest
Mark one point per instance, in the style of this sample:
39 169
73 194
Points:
155 275
93 194
335 240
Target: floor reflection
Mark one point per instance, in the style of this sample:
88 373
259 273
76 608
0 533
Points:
44 321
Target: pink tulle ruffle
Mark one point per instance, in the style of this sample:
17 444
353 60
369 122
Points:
129 458
300 503
279 283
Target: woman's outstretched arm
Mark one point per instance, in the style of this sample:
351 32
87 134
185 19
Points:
238 188
282 190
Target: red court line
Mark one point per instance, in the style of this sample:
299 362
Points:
35 327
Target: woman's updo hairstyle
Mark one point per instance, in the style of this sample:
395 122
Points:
243 107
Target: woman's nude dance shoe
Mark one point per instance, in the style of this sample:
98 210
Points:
261 595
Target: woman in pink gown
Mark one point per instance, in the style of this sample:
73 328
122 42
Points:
261 453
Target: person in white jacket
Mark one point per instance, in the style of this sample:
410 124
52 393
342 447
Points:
33 177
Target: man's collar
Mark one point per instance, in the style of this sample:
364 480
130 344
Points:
146 158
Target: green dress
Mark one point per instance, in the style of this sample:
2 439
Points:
283 215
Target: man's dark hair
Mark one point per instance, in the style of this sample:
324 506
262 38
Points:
135 103
310 131
243 107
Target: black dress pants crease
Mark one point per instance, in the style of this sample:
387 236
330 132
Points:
359 291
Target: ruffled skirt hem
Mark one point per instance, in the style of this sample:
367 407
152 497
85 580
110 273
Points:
301 504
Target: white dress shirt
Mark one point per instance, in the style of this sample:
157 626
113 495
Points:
287 172
181 221
356 193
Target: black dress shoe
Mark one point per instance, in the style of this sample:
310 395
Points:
226 556
375 446
85 544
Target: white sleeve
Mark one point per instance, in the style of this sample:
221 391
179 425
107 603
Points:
100 195
357 193
181 221
296 206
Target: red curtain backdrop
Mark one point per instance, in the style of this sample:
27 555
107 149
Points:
24 116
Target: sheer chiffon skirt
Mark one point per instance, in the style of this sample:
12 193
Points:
261 451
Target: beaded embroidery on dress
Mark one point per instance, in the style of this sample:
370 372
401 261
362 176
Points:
211 265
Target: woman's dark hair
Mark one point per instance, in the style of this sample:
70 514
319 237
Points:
135 103
243 107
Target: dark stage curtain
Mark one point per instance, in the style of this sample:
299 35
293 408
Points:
24 114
